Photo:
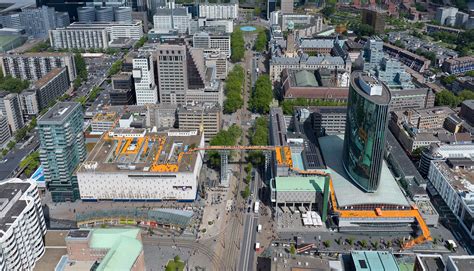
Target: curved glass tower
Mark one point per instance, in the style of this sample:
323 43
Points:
366 124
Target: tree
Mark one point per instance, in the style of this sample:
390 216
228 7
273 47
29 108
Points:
292 249
14 85
238 45
177 258
327 243
375 244
446 97
363 30
246 193
223 138
261 41
363 243
141 42
416 153
233 90
11 144
350 241
262 96
258 137
115 68
466 95
448 80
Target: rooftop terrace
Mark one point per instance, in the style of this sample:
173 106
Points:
140 150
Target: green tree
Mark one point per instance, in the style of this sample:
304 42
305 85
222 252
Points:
141 42
11 144
416 153
292 249
327 243
246 193
223 138
233 90
446 97
258 137
115 68
363 243
261 41
14 85
363 30
21 133
177 258
238 45
262 96
448 80
466 95
350 241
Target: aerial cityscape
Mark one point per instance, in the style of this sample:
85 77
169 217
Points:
225 135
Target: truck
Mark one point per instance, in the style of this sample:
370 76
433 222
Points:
259 228
256 70
256 207
257 246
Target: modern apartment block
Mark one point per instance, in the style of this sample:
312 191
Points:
172 73
94 35
170 19
219 11
51 86
325 120
22 225
5 133
207 115
33 66
10 106
29 103
416 98
453 180
144 78
38 21
206 40
62 148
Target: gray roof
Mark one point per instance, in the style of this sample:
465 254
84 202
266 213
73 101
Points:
7 193
175 11
309 60
469 103
58 112
348 193
316 43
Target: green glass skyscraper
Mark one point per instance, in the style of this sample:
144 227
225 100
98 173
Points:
62 148
366 125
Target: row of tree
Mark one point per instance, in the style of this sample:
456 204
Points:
81 70
258 137
262 95
446 97
238 45
115 68
233 90
227 137
288 105
261 41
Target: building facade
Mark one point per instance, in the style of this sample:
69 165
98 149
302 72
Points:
10 106
172 73
38 21
62 148
33 66
219 11
166 20
144 78
375 19
29 103
366 127
23 225
51 86
458 65
5 133
205 116
212 41
287 6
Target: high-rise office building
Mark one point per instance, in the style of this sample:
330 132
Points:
366 127
205 40
287 6
170 19
62 19
144 78
374 18
38 21
33 66
86 14
23 225
11 108
271 7
62 148
172 73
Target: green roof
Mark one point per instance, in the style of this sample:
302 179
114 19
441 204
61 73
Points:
374 260
312 183
305 79
124 248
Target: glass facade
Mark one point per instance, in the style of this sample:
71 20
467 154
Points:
364 140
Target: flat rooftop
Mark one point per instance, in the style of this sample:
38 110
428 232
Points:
348 193
59 112
110 117
47 77
373 260
138 150
300 184
10 205
378 99
463 263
